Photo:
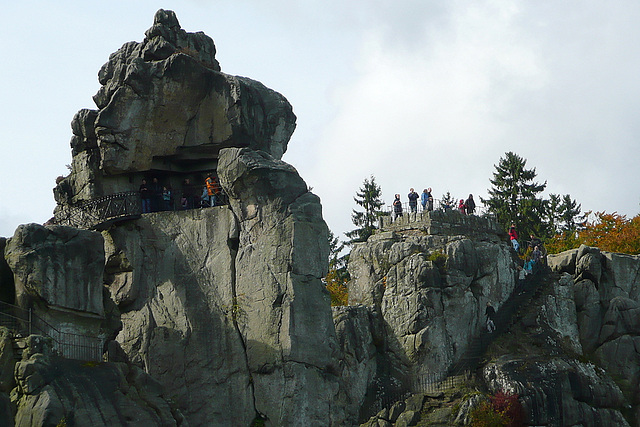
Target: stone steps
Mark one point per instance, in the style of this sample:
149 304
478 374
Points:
503 320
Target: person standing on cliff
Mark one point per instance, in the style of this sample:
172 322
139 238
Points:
470 204
462 207
424 199
490 312
397 207
413 200
513 235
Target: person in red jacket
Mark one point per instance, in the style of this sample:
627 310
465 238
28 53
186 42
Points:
462 207
513 235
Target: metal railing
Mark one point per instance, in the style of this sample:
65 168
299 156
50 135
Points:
438 205
66 344
15 318
386 393
97 212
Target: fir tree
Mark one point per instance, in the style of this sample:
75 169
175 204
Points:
368 196
563 214
571 216
448 200
514 195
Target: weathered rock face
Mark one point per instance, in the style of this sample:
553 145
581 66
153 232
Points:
54 391
59 265
558 391
165 108
590 311
358 340
223 306
431 290
172 275
607 299
282 253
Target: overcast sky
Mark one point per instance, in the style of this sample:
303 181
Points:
417 93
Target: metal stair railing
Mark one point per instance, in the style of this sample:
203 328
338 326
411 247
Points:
66 344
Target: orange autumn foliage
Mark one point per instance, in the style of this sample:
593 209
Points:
337 288
613 233
609 232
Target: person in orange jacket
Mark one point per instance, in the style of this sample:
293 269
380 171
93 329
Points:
213 188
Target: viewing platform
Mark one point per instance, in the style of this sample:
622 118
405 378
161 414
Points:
442 222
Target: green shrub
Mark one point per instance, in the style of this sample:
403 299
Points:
439 259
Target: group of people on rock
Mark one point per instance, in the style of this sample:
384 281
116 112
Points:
155 197
532 260
466 207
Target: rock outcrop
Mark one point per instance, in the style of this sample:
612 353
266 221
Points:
54 391
224 310
166 110
606 292
430 290
223 306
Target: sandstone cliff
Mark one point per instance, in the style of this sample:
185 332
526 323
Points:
218 316
223 306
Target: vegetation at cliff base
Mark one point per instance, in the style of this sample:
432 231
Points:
502 410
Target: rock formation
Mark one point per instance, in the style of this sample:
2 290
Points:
218 316
165 110
224 307
416 280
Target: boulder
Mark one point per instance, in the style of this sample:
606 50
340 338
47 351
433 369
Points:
564 262
55 391
558 391
62 267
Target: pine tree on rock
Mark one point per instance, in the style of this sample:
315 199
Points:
368 196
514 195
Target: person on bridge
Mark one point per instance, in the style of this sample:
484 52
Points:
490 312
187 194
145 196
166 199
156 195
413 201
